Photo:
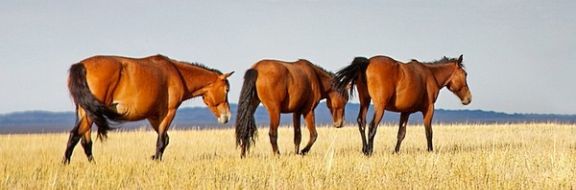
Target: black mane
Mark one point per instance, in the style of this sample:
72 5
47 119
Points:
160 56
442 61
203 67
316 67
331 74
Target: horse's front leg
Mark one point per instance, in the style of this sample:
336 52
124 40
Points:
401 130
297 132
310 124
364 104
378 114
162 129
428 114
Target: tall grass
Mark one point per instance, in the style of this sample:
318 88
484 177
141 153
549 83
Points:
517 156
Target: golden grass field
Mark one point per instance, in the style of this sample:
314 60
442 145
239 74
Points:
517 156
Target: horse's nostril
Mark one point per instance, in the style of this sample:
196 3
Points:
223 119
466 101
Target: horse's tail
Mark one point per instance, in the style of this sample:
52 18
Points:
245 123
351 74
95 110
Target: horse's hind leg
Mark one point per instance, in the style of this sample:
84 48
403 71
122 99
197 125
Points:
312 129
297 132
87 145
72 141
273 133
81 127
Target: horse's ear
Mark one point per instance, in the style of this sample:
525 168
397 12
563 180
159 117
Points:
226 75
460 59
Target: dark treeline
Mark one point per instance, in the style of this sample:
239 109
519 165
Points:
200 117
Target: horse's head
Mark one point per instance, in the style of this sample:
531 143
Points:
336 103
457 83
215 97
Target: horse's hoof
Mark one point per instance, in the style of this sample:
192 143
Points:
157 158
66 161
368 152
364 149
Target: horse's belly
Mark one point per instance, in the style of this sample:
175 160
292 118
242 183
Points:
135 108
404 104
292 105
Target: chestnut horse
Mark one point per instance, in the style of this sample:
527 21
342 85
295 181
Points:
405 88
127 89
285 87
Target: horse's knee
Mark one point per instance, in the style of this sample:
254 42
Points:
314 135
359 120
273 136
166 140
87 145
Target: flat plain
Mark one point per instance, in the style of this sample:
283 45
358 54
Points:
467 156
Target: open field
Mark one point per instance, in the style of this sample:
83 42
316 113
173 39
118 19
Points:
526 156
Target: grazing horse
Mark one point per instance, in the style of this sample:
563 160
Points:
113 88
285 87
405 88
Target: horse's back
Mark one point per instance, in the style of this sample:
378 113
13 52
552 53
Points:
403 86
286 85
381 75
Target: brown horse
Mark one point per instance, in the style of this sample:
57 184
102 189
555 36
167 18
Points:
405 88
127 89
285 87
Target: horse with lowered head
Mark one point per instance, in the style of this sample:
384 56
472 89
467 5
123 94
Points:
286 87
114 88
401 87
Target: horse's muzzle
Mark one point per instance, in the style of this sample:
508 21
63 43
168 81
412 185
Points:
224 118
467 101
338 124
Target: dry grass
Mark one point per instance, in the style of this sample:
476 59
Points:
520 156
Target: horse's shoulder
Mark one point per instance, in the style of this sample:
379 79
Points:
302 61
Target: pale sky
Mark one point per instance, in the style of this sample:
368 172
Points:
520 54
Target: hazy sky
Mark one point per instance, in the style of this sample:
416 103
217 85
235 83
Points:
520 55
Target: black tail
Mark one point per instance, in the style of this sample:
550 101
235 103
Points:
348 75
96 111
245 123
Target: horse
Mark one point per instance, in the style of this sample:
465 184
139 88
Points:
286 87
115 88
401 87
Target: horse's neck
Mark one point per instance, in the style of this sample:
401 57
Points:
442 73
195 79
